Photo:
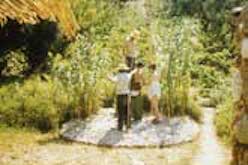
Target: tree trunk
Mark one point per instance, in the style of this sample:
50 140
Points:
240 154
240 151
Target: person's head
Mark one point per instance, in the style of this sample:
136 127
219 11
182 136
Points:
140 66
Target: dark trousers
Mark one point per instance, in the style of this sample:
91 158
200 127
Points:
137 105
123 111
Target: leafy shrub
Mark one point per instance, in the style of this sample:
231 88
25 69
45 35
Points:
35 103
83 73
223 120
14 63
175 61
220 92
180 105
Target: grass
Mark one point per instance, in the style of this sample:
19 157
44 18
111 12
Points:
10 138
223 120
25 146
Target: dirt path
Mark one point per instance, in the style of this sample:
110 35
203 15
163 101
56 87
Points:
210 149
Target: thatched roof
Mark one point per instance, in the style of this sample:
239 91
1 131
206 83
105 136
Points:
33 11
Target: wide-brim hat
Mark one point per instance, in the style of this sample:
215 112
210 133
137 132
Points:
237 10
123 67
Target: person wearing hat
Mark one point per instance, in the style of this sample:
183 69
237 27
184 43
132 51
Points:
137 83
122 80
131 51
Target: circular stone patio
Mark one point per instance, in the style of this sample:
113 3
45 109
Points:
100 129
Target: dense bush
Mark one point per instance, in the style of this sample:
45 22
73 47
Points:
35 103
175 61
82 72
211 63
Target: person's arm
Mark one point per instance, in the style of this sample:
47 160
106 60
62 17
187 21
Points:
112 78
133 71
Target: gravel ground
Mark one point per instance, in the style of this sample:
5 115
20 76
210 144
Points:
100 129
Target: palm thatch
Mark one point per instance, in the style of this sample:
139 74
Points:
34 11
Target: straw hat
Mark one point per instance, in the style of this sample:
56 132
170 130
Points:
123 67
237 10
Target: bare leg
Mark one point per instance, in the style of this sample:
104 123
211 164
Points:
151 106
155 107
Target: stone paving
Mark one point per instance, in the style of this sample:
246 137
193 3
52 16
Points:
100 129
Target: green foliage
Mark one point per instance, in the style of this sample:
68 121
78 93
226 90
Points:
221 97
181 105
213 14
174 51
211 62
209 69
220 93
223 120
82 73
14 63
32 104
190 48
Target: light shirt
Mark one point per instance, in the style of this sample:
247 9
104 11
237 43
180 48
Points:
122 80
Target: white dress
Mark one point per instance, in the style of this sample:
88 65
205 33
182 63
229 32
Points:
154 88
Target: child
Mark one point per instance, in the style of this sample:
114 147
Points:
154 92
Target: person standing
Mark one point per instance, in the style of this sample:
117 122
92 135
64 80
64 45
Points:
137 82
122 80
154 92
131 50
